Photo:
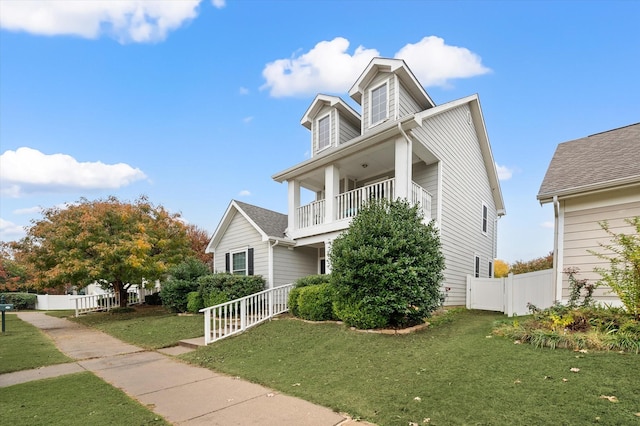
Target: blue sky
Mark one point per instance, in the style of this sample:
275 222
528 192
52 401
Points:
195 103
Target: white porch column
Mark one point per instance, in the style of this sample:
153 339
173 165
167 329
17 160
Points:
331 190
404 170
294 202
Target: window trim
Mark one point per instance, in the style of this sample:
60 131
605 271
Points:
386 113
476 266
318 120
490 269
484 225
246 261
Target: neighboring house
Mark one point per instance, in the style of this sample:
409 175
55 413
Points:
403 146
590 180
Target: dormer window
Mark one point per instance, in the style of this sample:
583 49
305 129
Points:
379 104
324 132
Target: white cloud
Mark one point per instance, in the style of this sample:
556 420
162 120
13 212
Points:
328 67
27 170
219 4
325 68
244 91
125 20
247 120
10 231
244 193
547 225
28 210
434 62
504 173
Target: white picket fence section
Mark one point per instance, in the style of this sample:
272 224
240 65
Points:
108 301
236 316
512 294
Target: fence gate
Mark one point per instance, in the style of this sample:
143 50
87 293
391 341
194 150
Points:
511 295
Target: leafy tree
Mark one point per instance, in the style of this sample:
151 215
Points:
500 268
14 273
182 280
114 243
199 239
538 264
623 275
387 267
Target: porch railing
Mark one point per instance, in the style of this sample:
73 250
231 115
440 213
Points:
311 214
421 196
234 317
349 203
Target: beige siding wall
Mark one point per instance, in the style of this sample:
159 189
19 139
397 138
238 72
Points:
465 187
289 265
407 105
238 236
583 233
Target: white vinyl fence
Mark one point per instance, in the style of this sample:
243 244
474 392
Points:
512 294
227 319
108 301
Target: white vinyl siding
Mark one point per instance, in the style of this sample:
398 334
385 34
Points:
427 177
465 186
348 131
407 105
582 233
241 235
289 265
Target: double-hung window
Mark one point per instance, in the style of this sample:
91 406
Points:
485 218
477 266
378 104
239 262
324 132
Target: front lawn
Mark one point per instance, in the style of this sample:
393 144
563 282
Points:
454 373
150 327
75 399
24 346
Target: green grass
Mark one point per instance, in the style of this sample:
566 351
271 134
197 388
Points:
24 346
150 327
76 399
454 373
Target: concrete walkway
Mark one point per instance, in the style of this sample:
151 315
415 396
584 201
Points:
183 394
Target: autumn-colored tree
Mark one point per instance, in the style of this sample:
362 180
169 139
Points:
199 240
114 243
538 264
500 268
14 272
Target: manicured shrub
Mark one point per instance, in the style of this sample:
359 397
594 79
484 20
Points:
312 280
315 302
293 301
223 287
174 294
194 302
387 265
21 301
153 299
182 281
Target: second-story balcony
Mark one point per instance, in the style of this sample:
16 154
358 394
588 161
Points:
348 204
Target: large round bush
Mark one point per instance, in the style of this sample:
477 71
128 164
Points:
387 268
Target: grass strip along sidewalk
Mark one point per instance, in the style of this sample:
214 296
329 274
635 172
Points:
454 373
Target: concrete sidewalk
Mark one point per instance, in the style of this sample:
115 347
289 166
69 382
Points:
183 394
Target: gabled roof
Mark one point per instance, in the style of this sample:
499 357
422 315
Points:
269 224
602 161
481 131
333 101
397 67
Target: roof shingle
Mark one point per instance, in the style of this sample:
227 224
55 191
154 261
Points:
272 223
601 160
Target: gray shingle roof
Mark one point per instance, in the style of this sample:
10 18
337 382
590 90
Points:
272 223
603 160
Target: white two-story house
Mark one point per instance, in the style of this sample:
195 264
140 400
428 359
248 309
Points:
401 145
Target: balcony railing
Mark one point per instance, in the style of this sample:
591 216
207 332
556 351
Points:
349 203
